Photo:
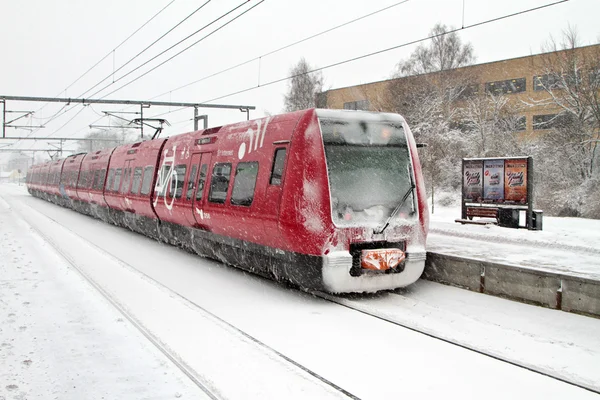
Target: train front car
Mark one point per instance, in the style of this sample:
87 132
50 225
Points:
360 208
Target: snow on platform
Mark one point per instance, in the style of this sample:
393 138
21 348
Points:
569 246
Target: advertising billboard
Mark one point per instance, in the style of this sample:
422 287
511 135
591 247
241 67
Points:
493 180
473 180
515 180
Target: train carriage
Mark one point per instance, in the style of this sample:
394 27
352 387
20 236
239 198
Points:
327 200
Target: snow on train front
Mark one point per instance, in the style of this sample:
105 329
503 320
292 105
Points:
377 202
355 202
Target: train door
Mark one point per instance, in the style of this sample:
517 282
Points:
270 213
187 199
200 193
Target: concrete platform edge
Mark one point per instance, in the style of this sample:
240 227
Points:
553 290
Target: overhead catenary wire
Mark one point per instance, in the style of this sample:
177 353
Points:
285 47
58 113
182 51
144 50
390 49
162 36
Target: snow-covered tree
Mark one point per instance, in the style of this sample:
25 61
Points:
304 87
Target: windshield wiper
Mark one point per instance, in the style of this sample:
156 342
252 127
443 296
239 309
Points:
393 214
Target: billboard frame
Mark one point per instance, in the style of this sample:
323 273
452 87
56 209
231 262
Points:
499 204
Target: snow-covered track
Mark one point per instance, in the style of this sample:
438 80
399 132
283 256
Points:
181 364
156 341
349 301
175 359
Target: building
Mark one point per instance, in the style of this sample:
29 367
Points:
523 80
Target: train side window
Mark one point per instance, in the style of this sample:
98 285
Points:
219 183
83 179
96 179
191 182
102 178
110 180
147 181
162 184
126 180
137 178
244 183
201 181
117 184
177 181
278 163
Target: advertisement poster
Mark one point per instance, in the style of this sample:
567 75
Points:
515 180
493 180
473 180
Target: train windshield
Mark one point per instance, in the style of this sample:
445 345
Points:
370 173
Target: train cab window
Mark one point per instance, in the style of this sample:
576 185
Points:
244 183
117 182
191 183
219 183
201 181
147 180
110 180
278 163
177 181
137 179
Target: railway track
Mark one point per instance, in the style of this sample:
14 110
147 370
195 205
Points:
198 380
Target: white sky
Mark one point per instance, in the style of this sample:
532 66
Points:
46 45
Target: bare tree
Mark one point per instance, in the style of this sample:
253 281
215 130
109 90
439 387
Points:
112 137
445 51
572 82
569 151
430 103
304 87
493 125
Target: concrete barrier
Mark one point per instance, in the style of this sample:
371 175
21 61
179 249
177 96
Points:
553 290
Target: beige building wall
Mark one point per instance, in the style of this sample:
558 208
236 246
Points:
512 69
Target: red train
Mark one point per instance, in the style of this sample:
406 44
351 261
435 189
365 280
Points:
324 199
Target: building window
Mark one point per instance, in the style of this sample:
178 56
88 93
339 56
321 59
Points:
546 82
147 181
547 121
244 183
219 183
467 92
278 162
521 124
358 105
508 86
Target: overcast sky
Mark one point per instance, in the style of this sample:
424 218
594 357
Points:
46 45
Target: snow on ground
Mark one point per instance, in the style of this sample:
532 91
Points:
565 245
370 358
60 340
